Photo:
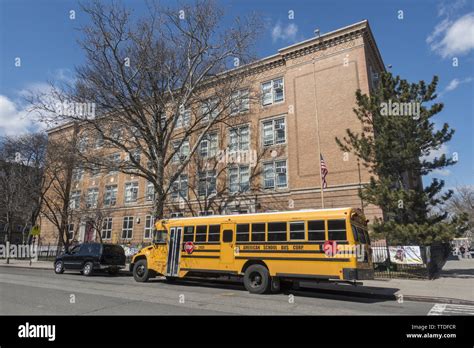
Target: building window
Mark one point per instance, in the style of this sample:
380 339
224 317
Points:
110 197
77 173
274 132
205 213
135 154
207 183
184 119
92 197
82 144
99 141
316 230
274 175
94 170
210 109
127 227
180 153
131 192
177 214
116 134
149 221
208 145
243 233
70 231
114 163
297 230
239 138
272 91
150 191
239 179
276 231
180 187
337 230
75 199
107 228
240 102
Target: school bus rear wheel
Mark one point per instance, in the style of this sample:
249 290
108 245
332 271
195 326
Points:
257 279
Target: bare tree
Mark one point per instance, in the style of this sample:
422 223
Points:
212 188
60 201
462 203
146 82
22 160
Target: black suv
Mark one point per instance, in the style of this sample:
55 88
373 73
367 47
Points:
90 257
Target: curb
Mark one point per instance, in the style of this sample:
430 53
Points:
395 297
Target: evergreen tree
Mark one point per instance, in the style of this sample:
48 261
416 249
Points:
397 137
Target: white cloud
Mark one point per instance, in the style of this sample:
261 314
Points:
13 118
284 33
455 83
453 37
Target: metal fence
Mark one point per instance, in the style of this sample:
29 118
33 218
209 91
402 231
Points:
49 252
385 268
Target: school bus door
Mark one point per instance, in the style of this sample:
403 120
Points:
227 243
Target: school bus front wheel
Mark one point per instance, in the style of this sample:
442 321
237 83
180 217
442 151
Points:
141 272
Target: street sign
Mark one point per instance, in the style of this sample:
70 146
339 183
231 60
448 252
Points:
35 231
189 247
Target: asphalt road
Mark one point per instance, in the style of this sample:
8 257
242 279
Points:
41 292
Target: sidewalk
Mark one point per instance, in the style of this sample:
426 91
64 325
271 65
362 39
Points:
455 284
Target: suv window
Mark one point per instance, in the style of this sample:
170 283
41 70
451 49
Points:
90 249
112 250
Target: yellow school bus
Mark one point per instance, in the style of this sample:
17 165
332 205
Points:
266 249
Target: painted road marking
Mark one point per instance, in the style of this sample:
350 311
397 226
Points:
451 309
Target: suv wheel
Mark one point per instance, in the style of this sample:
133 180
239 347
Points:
59 267
257 279
140 271
87 270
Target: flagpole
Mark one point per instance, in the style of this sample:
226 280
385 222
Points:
317 136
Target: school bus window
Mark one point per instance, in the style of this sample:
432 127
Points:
258 232
214 233
297 230
243 232
316 230
227 236
201 233
277 231
188 234
337 230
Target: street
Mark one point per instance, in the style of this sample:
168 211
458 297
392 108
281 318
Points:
41 292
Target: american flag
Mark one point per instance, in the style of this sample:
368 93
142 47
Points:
324 172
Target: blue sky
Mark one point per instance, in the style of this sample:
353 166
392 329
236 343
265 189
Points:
420 45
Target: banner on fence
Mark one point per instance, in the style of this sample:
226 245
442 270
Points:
405 255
